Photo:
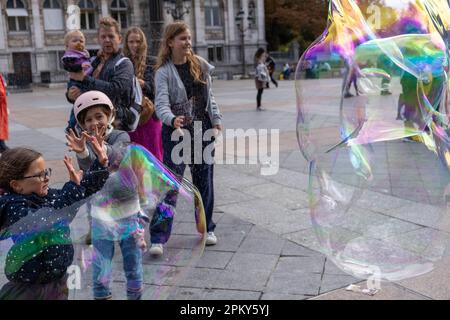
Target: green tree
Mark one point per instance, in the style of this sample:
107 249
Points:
294 20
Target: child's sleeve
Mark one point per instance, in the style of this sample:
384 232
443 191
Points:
13 213
85 161
122 139
162 97
94 179
74 83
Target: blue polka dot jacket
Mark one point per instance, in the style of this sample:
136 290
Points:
39 228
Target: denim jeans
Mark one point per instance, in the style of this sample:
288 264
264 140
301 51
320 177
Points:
202 174
102 267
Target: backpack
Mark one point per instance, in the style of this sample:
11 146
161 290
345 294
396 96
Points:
130 117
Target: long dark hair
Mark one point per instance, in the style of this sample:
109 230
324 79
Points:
14 163
258 55
140 60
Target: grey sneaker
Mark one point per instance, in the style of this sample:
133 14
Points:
211 239
156 249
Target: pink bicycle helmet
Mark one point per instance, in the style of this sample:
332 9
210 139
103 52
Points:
90 99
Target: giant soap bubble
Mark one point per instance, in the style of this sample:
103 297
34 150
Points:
139 191
373 124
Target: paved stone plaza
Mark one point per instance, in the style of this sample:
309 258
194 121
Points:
267 247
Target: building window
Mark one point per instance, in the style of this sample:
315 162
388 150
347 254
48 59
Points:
215 54
52 4
53 15
251 14
15 4
87 14
54 61
119 11
17 15
213 14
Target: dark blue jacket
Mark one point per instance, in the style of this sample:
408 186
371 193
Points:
39 228
149 78
114 81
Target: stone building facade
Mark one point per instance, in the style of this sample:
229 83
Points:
32 32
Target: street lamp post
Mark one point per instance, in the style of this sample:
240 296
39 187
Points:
177 8
154 29
242 29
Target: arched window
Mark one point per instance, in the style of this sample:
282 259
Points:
213 13
119 11
15 4
52 4
53 15
87 14
17 15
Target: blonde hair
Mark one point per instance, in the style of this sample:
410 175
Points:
165 52
70 34
140 60
108 23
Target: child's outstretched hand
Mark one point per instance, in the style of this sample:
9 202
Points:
99 134
139 238
98 148
74 143
73 174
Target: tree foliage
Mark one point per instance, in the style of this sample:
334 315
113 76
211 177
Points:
294 20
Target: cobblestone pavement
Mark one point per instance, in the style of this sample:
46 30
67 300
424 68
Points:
267 247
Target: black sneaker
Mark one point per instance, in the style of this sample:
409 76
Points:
348 95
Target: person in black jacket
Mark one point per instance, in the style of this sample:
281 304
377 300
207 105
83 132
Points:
37 220
113 75
270 64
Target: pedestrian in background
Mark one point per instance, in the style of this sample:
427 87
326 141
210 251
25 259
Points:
4 131
270 64
261 76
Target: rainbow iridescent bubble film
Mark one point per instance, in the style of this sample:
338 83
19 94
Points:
139 192
373 125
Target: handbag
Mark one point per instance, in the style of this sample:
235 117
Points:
148 109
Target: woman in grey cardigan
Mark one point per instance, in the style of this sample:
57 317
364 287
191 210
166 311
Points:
185 104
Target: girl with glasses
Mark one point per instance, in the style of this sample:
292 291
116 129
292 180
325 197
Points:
37 220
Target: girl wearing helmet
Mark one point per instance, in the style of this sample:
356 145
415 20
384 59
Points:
94 113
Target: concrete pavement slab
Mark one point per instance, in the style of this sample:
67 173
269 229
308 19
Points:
267 247
388 291
432 284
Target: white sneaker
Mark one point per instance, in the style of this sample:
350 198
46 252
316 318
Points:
156 249
211 239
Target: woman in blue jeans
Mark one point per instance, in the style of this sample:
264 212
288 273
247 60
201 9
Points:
184 101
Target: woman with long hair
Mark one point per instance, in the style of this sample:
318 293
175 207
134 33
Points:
184 102
135 47
261 75
147 134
